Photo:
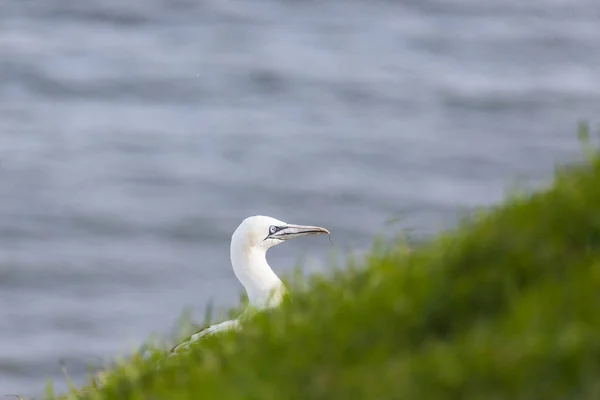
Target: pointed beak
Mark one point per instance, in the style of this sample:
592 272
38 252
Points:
294 231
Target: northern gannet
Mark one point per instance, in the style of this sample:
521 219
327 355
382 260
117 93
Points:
249 245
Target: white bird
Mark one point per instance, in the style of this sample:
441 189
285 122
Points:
249 245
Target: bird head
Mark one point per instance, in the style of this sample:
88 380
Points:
264 232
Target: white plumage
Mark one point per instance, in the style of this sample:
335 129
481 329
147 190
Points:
249 245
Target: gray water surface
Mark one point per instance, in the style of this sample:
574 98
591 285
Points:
135 136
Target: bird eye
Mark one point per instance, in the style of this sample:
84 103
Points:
272 229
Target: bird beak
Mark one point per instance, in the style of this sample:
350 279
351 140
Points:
294 231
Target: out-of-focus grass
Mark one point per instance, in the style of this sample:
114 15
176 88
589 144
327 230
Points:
506 306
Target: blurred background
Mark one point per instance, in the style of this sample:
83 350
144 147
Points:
136 135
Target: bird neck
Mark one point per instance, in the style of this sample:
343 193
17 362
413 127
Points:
262 285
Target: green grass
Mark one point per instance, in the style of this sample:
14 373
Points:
506 306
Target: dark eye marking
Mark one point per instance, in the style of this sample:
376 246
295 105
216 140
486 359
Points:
273 229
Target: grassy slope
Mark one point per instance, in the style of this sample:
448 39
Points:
504 307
